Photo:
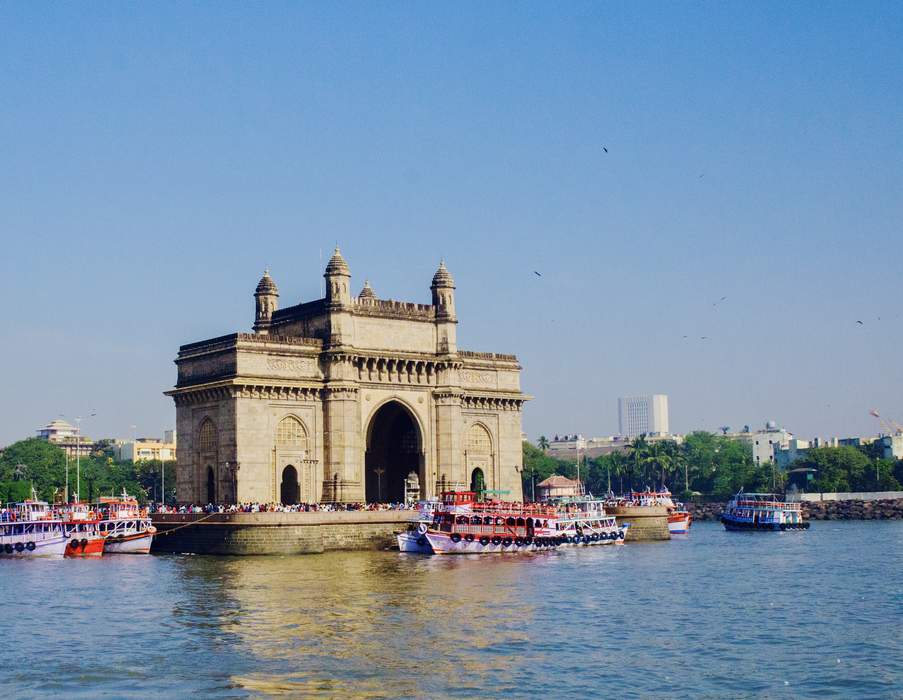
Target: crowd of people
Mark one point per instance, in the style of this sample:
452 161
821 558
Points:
278 507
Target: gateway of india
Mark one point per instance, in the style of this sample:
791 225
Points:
346 399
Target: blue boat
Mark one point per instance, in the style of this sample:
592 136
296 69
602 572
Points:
762 511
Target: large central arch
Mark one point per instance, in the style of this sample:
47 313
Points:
394 449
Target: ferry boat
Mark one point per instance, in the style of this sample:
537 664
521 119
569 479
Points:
81 525
762 511
464 526
125 527
679 520
582 521
31 529
413 540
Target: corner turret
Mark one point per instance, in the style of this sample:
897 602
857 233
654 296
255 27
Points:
443 289
266 298
338 277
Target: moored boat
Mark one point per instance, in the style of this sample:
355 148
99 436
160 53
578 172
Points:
31 529
81 525
582 521
125 527
464 526
679 520
762 511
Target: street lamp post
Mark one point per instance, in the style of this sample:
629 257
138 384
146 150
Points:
379 471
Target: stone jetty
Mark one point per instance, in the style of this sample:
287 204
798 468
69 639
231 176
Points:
277 533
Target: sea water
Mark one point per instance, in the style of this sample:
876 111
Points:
709 615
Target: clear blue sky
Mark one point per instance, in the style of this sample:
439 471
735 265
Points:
157 156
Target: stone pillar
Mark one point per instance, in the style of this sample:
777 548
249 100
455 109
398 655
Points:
342 470
449 438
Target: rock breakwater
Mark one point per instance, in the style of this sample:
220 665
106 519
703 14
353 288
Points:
820 510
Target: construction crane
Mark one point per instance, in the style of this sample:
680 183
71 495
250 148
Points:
890 427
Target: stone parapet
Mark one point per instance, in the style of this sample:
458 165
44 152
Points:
647 523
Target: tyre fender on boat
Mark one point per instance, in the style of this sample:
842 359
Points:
455 537
484 540
421 528
30 546
20 547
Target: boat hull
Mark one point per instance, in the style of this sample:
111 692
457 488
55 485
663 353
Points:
597 538
679 523
137 543
413 543
85 547
443 543
49 547
746 526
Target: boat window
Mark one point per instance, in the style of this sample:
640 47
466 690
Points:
475 520
520 522
487 520
510 522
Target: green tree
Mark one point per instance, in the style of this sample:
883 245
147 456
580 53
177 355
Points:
637 451
543 443
35 462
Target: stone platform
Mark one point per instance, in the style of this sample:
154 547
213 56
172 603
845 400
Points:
647 523
277 533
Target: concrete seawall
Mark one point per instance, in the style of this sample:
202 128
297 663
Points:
277 533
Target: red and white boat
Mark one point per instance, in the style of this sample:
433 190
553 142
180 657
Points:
465 526
679 519
31 529
81 522
125 527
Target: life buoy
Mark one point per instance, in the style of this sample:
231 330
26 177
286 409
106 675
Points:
20 547
484 540
468 537
455 537
73 544
30 546
422 528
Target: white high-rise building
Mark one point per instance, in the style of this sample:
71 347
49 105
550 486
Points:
638 415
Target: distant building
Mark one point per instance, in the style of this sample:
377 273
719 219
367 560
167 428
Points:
638 415
796 449
570 446
892 446
557 486
145 450
65 436
765 442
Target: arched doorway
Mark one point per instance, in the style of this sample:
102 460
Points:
289 490
393 451
211 485
477 481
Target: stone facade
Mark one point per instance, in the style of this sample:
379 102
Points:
346 399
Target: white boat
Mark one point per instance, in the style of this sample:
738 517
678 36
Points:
126 528
762 511
465 526
31 529
583 522
414 541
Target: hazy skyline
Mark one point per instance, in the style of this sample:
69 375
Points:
158 157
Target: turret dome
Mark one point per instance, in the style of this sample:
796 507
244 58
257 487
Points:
337 264
266 284
443 277
367 292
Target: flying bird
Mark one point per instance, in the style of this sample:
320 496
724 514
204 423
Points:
704 337
702 176
860 323
537 273
604 149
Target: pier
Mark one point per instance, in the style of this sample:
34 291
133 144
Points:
647 523
277 533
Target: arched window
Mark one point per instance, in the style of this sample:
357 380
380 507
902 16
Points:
207 436
290 434
478 440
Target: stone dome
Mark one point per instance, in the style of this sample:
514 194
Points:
443 277
367 292
337 264
266 284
